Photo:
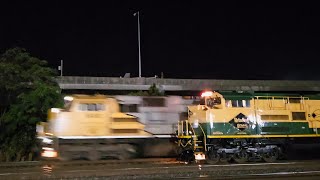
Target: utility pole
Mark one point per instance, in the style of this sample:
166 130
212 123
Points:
138 14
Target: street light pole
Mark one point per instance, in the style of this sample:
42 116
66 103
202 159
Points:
60 68
137 13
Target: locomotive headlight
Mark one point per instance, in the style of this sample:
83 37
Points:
49 152
46 140
55 110
207 94
68 98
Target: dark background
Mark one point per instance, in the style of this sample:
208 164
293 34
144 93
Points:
182 39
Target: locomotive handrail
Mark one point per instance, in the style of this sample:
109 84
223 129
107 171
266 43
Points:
205 138
281 97
187 127
194 134
181 129
286 103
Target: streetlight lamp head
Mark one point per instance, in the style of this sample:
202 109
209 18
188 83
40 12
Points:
136 13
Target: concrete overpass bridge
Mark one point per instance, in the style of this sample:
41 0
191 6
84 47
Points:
190 85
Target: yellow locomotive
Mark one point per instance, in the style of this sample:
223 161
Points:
86 124
242 127
120 127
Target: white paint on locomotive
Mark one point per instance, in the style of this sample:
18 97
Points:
160 114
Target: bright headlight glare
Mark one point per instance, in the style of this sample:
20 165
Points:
55 110
49 153
47 149
68 98
47 140
199 156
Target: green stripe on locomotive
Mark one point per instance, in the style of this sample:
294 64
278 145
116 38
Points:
268 128
226 129
285 128
247 115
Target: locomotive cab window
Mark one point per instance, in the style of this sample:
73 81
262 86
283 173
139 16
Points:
91 107
212 101
237 103
201 102
129 107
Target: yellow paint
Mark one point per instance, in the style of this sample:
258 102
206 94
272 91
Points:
262 109
93 116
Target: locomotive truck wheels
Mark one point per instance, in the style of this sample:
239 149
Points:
187 156
213 157
271 156
65 156
179 152
127 151
241 156
224 157
283 152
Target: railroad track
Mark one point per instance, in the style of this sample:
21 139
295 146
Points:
28 164
147 169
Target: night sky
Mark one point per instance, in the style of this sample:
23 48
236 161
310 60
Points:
182 39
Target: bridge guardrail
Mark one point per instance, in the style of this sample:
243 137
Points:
194 84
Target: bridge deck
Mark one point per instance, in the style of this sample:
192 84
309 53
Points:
115 83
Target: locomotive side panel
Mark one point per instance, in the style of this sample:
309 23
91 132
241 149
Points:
92 127
100 126
240 127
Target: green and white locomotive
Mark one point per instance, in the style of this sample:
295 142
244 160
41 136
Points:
243 127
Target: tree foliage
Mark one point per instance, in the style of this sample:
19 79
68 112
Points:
152 91
28 89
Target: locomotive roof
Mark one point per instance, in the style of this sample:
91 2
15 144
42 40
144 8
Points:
85 96
233 95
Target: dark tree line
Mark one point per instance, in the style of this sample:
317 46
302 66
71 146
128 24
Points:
27 90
